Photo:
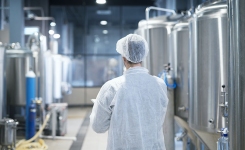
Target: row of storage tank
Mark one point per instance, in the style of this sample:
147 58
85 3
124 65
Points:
51 70
196 46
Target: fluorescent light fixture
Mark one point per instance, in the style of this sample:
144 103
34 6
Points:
105 31
56 36
103 22
103 12
52 24
51 32
30 30
100 1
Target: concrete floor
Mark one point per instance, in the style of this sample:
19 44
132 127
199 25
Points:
87 138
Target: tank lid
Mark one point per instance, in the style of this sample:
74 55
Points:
161 20
6 121
210 6
181 25
18 52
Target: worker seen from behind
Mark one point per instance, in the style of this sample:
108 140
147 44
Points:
132 107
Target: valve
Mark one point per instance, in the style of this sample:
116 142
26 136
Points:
224 104
183 108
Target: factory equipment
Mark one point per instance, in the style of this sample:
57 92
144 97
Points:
208 70
7 134
18 63
236 99
159 35
2 82
37 43
30 96
49 77
179 53
57 77
66 75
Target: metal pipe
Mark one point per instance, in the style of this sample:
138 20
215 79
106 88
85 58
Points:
236 98
42 14
147 12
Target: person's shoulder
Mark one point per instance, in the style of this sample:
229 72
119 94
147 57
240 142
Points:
114 82
159 80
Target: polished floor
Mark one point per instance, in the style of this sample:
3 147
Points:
78 126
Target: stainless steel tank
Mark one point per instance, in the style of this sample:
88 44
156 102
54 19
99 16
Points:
157 33
180 64
18 62
2 82
208 70
7 132
159 36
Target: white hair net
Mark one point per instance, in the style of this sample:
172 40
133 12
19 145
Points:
133 47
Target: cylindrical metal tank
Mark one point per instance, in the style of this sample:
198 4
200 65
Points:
48 64
2 82
208 70
157 33
18 63
159 36
236 98
180 64
57 77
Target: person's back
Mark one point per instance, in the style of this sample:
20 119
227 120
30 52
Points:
132 107
138 113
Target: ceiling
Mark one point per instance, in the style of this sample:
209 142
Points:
109 2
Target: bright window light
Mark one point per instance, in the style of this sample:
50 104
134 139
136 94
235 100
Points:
56 36
105 31
30 30
100 1
103 22
52 24
51 32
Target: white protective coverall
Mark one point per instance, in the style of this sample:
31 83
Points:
132 107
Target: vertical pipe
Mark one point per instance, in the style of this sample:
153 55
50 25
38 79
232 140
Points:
2 82
236 94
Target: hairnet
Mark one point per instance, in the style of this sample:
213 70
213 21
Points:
133 47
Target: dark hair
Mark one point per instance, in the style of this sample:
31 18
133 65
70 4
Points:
130 62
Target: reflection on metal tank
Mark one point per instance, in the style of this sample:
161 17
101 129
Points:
159 35
208 70
2 82
18 62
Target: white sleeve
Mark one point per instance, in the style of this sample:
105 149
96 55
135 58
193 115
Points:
101 112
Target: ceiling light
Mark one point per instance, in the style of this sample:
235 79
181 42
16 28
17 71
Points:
52 24
51 32
56 36
103 22
105 31
100 1
103 12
